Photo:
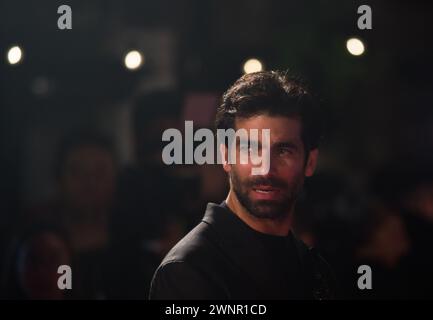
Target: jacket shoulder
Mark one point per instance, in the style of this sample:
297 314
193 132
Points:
178 280
186 271
196 245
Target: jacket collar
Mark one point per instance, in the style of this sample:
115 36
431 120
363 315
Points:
241 244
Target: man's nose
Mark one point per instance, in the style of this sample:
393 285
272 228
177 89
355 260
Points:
268 164
274 163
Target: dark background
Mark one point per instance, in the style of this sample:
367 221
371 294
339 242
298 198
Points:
371 201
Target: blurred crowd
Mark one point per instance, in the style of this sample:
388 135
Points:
113 224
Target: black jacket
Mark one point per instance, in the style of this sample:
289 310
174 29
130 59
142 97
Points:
221 258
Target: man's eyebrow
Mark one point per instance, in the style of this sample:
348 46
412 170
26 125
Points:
282 144
286 144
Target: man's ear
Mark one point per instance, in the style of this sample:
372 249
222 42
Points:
224 157
311 162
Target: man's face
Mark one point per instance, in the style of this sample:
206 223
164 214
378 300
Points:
272 195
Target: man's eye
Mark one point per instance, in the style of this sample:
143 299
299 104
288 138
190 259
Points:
286 151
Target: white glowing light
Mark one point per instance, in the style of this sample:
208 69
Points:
133 60
252 65
14 55
355 46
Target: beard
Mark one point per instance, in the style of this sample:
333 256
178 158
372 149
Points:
266 209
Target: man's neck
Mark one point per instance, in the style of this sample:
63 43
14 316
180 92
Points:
277 227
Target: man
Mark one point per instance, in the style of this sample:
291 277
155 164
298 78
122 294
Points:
244 248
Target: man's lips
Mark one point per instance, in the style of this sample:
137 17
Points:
265 188
266 192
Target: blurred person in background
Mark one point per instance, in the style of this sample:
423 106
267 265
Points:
33 263
407 187
383 245
87 175
357 226
82 209
145 224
